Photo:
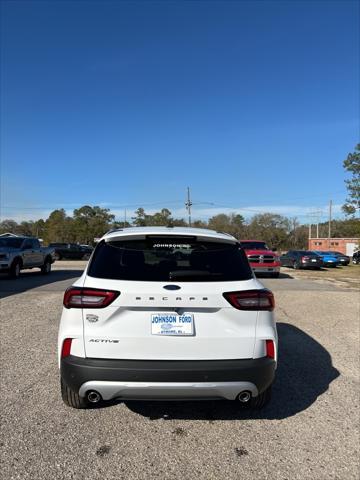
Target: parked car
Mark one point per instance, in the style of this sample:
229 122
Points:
261 258
19 253
342 259
71 251
356 258
140 325
301 259
329 259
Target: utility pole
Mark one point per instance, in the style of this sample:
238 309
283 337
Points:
125 218
330 212
309 229
188 205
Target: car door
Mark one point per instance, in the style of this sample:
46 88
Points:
27 253
37 257
69 251
73 251
285 259
295 257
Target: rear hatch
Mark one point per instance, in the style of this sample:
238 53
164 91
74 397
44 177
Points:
171 303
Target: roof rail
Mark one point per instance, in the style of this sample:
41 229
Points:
114 230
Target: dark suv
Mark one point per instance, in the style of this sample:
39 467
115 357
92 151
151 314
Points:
71 251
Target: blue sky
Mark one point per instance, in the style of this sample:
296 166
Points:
254 105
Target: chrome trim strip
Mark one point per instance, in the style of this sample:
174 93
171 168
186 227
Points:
167 390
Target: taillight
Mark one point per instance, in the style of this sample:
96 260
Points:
251 300
305 259
270 348
66 347
88 297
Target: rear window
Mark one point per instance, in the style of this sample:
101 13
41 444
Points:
10 242
169 259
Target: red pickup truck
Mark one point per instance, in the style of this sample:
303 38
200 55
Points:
261 258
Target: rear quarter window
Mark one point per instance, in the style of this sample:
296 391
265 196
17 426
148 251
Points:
169 259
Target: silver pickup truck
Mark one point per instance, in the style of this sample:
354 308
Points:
19 253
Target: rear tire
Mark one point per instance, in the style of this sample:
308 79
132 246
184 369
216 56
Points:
15 269
57 256
296 266
72 399
261 400
46 268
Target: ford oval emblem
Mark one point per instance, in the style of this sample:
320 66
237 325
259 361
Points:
172 287
166 326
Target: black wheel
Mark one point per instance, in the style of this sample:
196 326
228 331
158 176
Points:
15 269
72 399
57 256
86 256
261 400
296 265
46 268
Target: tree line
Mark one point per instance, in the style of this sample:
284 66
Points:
280 232
90 222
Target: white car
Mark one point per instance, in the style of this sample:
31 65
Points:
144 322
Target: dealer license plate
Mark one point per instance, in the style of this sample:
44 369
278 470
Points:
172 324
313 260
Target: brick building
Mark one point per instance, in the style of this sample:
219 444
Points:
343 245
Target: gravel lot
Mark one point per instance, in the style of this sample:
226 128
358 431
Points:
309 431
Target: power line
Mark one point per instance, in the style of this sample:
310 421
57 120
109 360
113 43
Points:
128 205
147 204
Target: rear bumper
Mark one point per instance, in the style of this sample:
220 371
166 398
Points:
311 264
264 268
134 379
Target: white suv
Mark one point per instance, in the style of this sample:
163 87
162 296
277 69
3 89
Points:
167 313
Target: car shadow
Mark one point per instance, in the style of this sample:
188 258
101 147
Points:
285 275
304 372
34 279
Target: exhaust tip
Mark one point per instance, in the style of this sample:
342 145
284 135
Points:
244 396
93 396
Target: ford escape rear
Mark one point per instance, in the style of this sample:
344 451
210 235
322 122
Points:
167 313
